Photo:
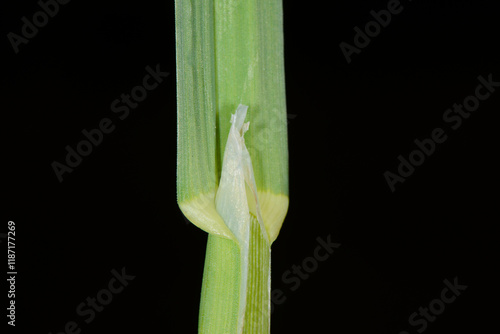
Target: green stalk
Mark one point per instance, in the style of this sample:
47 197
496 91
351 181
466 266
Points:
219 306
230 52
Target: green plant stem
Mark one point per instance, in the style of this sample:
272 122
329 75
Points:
230 52
221 293
219 302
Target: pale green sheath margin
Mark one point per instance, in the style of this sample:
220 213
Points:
230 55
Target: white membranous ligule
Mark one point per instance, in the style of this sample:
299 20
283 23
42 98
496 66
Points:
237 195
236 199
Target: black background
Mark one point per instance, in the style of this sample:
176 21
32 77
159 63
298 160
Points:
348 125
